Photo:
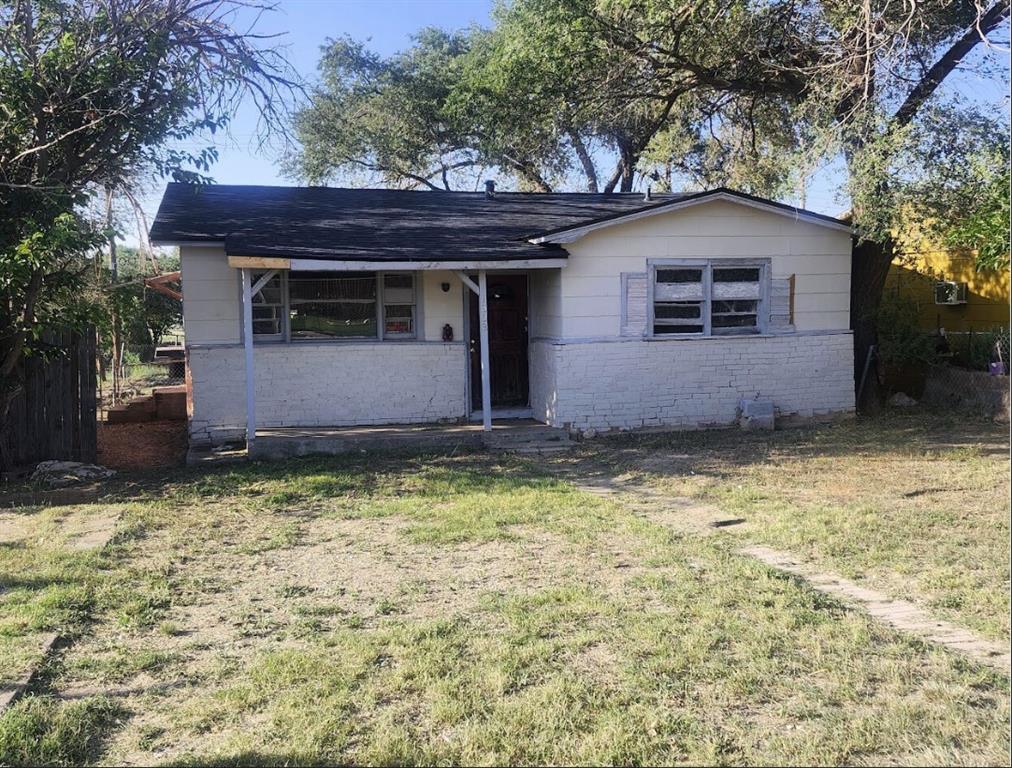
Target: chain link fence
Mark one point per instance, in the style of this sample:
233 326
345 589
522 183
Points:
971 376
141 368
984 349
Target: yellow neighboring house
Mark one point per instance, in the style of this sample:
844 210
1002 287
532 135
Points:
982 305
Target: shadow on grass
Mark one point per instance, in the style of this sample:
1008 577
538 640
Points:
254 759
712 452
722 453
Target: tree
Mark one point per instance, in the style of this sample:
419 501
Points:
853 77
954 181
146 315
91 92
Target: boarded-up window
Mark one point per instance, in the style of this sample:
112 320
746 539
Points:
708 298
634 303
679 301
782 304
735 300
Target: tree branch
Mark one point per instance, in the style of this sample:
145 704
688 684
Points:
927 85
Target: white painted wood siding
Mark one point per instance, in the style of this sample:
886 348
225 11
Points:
589 303
211 301
212 304
439 308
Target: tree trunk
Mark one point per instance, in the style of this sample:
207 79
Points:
586 161
869 267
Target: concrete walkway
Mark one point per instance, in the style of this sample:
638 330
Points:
687 515
900 614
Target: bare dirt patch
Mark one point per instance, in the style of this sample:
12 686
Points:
82 529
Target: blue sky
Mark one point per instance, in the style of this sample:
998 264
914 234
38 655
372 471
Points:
304 25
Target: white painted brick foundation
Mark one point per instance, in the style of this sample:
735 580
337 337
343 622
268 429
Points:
309 385
689 383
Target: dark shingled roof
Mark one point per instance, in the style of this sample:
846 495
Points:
379 224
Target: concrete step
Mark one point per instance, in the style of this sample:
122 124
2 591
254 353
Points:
540 449
508 436
137 410
528 439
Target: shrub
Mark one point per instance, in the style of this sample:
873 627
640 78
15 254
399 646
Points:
902 343
976 350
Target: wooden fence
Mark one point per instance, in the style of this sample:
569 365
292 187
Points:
54 416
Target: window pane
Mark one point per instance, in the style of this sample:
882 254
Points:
266 327
399 319
668 330
676 311
314 320
332 286
733 321
396 280
736 275
268 306
679 275
267 320
732 307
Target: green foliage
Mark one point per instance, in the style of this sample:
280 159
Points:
383 116
953 176
977 350
901 340
44 731
984 226
146 315
92 93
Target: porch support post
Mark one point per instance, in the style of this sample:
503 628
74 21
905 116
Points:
247 342
486 376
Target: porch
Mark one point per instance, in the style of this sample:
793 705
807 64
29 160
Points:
419 371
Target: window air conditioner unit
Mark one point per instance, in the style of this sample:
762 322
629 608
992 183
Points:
950 293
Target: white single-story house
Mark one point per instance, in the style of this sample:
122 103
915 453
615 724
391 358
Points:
313 307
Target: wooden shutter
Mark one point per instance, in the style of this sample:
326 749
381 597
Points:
782 305
634 304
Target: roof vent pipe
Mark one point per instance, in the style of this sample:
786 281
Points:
489 188
646 195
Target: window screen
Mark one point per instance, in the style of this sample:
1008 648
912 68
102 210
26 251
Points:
327 305
398 305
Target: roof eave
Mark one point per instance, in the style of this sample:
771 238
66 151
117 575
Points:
571 234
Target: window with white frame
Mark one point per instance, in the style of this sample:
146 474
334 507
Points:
398 305
335 305
703 298
269 307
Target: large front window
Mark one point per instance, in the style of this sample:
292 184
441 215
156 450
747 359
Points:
702 298
335 305
332 305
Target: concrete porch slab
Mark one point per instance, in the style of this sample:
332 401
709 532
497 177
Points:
301 441
507 434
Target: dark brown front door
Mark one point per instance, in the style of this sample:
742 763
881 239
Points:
507 342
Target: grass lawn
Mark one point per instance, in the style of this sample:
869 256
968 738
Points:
482 609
